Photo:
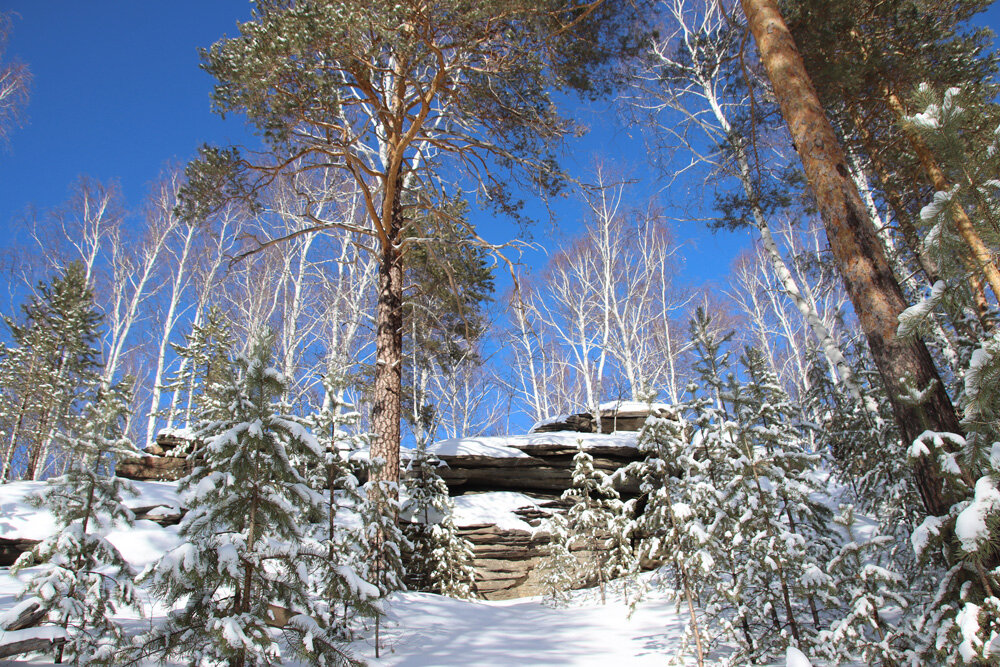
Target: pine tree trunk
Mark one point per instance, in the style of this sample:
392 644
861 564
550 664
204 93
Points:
387 408
873 290
981 254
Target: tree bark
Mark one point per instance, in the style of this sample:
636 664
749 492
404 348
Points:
874 292
981 254
387 407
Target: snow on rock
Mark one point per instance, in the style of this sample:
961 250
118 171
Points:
516 446
178 433
495 507
495 447
20 520
548 420
15 642
634 406
140 544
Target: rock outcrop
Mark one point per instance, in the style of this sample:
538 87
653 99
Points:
532 469
510 561
164 461
540 463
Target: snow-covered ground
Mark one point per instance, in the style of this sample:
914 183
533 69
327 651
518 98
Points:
425 630
421 629
430 630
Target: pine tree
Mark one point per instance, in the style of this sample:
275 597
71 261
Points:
244 546
462 75
873 596
440 559
50 372
83 579
873 289
560 569
204 363
346 548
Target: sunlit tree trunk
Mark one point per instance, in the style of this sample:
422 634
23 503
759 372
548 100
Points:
877 298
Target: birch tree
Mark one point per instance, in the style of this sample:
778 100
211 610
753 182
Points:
692 72
15 83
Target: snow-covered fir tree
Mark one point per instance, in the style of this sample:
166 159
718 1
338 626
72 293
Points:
48 374
593 505
244 547
675 498
775 443
596 525
871 599
440 559
83 580
385 542
560 569
333 425
768 532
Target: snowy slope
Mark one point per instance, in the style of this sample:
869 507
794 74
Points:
421 629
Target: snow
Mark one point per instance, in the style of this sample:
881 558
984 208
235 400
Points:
424 629
10 615
491 447
510 446
19 520
796 658
180 433
634 406
970 526
548 420
140 544
968 625
930 527
495 507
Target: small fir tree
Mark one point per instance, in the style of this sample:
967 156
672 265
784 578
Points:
560 569
83 579
345 545
675 499
872 597
244 549
594 504
440 558
385 542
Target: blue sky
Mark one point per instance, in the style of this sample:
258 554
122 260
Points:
118 93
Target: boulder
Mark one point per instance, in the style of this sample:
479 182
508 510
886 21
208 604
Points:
153 468
12 547
165 460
